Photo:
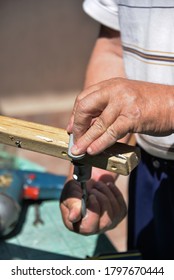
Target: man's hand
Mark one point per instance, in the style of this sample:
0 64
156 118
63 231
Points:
109 110
105 207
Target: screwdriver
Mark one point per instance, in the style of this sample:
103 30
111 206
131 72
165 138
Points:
81 173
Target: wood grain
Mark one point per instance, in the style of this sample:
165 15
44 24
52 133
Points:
120 158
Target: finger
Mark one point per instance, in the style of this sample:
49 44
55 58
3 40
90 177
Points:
105 210
120 128
73 212
71 120
78 99
106 190
116 212
71 190
90 223
114 206
117 193
106 116
71 199
65 217
86 111
120 207
110 190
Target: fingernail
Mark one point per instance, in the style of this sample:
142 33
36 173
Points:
89 151
68 128
75 150
72 217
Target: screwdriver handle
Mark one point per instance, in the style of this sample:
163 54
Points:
82 172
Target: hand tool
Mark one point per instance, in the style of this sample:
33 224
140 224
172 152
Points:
120 158
81 173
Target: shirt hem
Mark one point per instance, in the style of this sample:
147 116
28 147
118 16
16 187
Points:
101 14
154 150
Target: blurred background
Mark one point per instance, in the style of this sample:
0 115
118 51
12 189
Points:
44 46
44 49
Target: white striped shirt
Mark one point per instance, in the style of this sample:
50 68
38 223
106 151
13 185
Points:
148 48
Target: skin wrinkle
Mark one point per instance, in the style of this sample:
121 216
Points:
106 52
105 211
129 115
82 106
99 123
103 203
106 63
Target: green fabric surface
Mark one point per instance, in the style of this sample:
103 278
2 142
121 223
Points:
50 240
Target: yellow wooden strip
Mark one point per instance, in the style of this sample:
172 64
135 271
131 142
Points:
120 158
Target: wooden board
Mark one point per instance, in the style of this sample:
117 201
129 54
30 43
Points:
120 158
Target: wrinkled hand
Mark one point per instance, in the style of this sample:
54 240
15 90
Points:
105 207
110 110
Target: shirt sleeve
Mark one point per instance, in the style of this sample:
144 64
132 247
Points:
103 11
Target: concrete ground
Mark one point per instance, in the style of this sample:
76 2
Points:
45 46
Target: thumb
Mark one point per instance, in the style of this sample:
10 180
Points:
74 207
70 202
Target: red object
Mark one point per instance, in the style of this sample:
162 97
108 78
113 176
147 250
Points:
32 176
31 192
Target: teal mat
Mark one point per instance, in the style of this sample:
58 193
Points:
50 240
8 160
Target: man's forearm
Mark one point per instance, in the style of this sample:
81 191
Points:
106 59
